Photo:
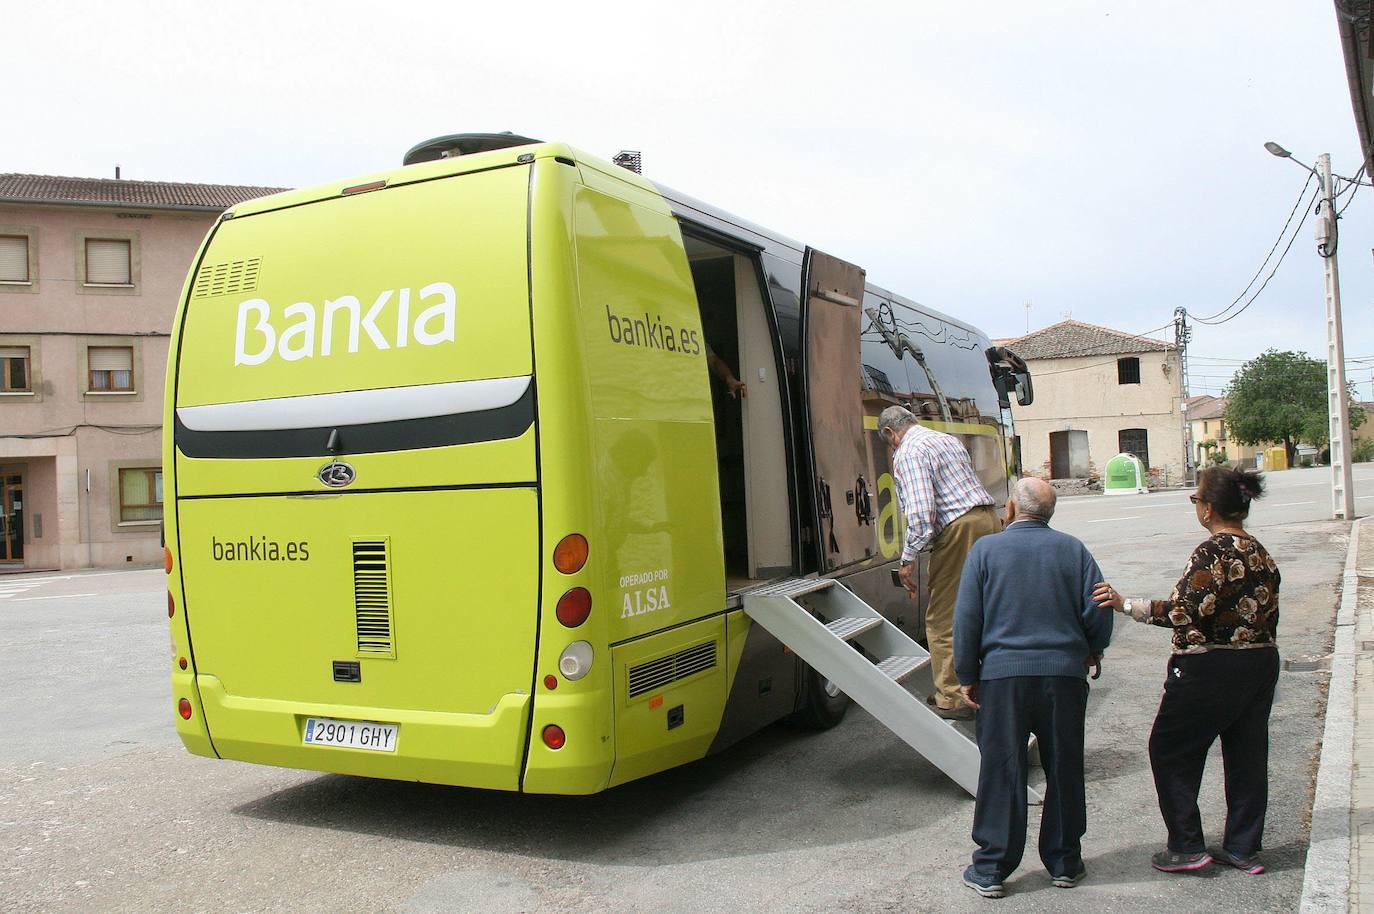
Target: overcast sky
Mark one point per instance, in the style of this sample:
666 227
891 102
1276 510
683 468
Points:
1097 159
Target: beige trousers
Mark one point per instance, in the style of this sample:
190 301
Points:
946 565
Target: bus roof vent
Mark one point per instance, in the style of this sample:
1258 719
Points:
655 674
463 144
372 596
632 159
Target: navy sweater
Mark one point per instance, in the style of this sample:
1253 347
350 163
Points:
1026 608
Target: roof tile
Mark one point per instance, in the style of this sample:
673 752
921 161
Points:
21 188
1072 339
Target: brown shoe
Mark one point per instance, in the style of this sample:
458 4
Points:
963 712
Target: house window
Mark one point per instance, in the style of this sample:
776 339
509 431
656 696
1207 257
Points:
108 262
1134 441
14 370
1128 370
14 258
140 495
111 368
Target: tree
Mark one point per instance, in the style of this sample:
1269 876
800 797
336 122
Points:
1281 396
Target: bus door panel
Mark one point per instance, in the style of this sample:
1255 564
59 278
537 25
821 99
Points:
832 372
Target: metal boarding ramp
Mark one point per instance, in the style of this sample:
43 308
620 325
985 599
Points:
873 676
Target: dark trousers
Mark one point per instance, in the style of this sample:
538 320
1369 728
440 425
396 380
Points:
1053 708
1219 693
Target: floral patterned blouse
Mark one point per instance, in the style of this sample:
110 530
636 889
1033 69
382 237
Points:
1228 598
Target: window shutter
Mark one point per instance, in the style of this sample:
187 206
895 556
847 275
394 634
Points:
107 262
110 358
14 258
14 352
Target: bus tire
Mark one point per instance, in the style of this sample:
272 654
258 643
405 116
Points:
823 705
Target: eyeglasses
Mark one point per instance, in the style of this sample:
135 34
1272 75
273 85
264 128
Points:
1194 498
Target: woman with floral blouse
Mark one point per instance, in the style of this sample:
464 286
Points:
1220 678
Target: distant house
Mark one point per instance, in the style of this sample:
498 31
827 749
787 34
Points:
1099 392
1366 431
91 271
1206 417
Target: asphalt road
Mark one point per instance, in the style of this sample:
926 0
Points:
101 809
1291 496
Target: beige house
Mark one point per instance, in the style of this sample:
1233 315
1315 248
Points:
90 274
1099 392
1206 419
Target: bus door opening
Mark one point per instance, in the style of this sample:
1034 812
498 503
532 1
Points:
750 444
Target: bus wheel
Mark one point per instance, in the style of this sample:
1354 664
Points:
824 705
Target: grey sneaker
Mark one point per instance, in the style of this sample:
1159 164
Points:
1246 863
987 886
1068 882
1167 861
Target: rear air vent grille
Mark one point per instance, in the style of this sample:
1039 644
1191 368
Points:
655 674
372 596
228 278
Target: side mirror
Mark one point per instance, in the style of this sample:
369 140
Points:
1025 390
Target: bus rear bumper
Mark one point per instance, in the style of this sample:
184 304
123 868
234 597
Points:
460 749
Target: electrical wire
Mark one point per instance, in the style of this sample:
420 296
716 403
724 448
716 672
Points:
1278 263
1283 231
1354 189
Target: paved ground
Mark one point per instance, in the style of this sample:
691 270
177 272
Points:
100 809
1362 786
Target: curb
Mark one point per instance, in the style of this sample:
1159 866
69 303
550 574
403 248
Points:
1326 877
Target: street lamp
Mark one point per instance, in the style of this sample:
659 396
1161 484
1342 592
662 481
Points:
1338 413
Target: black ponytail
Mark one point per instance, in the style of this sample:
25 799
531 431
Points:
1230 491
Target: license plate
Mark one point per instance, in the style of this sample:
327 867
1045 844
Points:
350 734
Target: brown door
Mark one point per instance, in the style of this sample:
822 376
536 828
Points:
11 517
832 376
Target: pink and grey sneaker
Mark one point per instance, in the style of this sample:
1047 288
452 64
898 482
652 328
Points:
1167 861
1246 863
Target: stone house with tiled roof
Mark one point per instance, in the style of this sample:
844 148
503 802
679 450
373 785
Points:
1100 392
90 273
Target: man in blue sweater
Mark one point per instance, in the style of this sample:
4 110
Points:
1026 631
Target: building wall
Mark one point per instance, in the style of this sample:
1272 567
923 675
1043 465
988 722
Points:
1084 393
70 431
1236 453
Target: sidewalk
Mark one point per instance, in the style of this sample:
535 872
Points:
1362 790
1340 860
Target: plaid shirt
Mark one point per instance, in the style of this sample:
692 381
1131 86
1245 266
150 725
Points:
935 485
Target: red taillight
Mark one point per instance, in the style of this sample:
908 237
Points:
166 560
550 682
554 737
171 605
571 553
574 607
182 663
184 707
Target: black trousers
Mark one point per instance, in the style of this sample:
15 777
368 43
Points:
1053 708
1219 693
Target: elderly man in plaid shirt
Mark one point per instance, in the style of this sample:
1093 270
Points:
948 510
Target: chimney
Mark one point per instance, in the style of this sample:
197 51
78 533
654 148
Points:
116 172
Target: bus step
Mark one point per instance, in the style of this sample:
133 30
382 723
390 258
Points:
899 668
789 609
849 627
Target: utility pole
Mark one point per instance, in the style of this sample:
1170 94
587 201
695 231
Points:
1182 334
1338 411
